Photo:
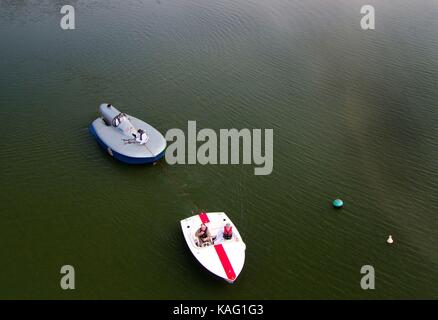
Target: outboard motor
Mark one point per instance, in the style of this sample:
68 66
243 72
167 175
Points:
108 112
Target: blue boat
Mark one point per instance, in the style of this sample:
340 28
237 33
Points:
126 138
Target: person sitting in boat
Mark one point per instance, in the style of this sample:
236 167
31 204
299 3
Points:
203 235
141 136
228 231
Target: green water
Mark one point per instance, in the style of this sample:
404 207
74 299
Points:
354 114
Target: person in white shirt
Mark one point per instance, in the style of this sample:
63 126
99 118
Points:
141 136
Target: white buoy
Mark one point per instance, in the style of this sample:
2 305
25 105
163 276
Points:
390 240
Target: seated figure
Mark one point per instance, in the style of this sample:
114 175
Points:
203 235
228 231
141 136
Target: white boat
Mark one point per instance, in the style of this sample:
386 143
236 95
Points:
224 258
116 133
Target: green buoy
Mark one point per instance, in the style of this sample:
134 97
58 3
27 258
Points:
338 203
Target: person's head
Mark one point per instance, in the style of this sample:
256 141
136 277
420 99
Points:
203 227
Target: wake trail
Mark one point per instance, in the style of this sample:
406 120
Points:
180 188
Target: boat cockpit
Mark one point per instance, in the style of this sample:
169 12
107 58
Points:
119 119
217 237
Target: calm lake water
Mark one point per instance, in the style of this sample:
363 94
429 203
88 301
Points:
354 113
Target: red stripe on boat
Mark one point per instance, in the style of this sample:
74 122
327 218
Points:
204 218
226 264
